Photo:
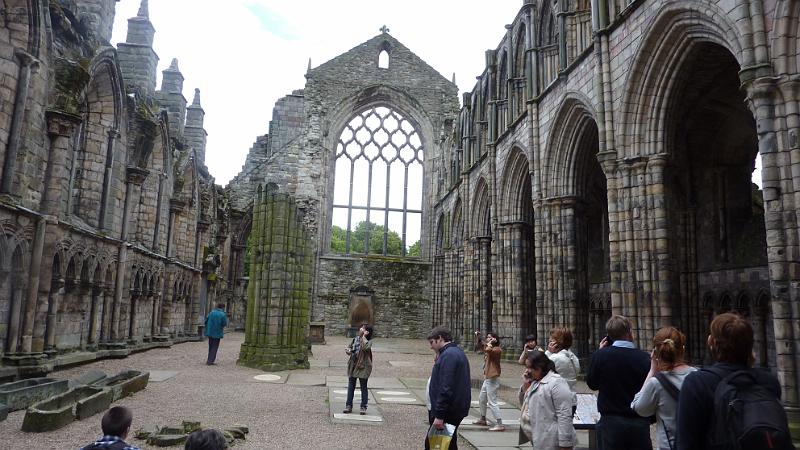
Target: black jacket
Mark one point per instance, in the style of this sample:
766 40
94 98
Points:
696 404
617 373
450 390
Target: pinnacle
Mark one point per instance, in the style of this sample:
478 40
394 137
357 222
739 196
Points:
174 65
144 10
196 101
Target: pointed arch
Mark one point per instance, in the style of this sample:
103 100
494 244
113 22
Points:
481 210
570 147
457 226
786 38
517 195
652 84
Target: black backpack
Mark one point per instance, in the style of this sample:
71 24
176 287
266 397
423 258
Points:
747 414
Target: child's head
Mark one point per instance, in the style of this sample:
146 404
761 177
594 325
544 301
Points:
117 422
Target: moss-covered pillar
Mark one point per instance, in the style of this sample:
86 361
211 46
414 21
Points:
279 293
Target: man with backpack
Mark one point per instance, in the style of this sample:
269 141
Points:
730 405
116 424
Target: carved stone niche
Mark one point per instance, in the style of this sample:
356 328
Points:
361 309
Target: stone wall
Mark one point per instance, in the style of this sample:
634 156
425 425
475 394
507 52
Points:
400 294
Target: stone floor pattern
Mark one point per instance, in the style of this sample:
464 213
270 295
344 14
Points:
295 409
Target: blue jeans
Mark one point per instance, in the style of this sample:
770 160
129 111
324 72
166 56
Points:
623 433
351 390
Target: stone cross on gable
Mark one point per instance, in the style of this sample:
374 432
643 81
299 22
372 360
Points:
384 29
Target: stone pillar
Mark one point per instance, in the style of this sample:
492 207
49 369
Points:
61 128
278 305
175 207
53 303
14 314
108 177
135 295
782 256
107 293
28 65
32 297
133 183
95 312
85 298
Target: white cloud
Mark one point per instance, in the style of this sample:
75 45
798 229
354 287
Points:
246 54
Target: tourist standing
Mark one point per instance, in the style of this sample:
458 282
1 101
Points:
491 382
116 424
700 425
216 321
529 347
450 389
617 371
567 364
659 393
359 366
549 407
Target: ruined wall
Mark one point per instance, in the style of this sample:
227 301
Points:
400 294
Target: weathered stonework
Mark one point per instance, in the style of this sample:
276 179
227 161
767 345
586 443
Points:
278 303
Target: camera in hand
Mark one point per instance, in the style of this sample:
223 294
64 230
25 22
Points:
609 340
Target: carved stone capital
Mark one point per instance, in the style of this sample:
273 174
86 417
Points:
176 205
61 124
136 175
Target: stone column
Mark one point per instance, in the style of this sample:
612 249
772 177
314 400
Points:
278 309
61 128
106 291
85 298
133 183
95 312
175 208
32 297
53 303
135 295
14 314
108 177
28 65
781 254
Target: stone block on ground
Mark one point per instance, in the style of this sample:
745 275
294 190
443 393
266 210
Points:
190 426
167 440
306 379
385 383
161 375
414 382
62 409
22 394
90 377
145 433
125 383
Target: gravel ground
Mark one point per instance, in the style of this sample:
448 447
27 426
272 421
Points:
279 416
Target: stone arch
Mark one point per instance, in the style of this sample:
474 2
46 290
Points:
384 55
786 38
13 283
374 97
547 42
517 195
440 230
101 104
651 83
151 222
481 210
457 226
566 158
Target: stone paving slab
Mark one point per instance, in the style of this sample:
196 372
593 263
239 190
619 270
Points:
157 376
403 364
415 382
306 379
491 439
385 383
336 400
336 363
318 363
340 394
336 381
401 397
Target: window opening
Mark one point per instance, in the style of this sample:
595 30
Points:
377 194
383 59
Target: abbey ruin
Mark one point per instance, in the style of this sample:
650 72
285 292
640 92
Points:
601 164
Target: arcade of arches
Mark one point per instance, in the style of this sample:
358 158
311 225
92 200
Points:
603 163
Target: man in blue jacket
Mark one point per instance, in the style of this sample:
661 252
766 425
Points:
215 322
450 391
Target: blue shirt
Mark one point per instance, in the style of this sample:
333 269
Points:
215 322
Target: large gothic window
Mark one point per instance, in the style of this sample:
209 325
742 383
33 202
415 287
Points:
377 199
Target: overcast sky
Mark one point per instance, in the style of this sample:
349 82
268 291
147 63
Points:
244 55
